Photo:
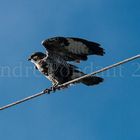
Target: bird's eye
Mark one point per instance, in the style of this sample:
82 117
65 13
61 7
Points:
35 58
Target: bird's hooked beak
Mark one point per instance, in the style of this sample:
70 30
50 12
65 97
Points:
29 59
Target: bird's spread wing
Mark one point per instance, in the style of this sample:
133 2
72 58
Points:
72 49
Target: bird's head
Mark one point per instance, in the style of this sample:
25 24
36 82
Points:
36 57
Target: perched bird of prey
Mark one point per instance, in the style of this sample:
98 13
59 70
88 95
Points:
54 64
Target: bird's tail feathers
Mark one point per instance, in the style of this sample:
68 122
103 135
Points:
92 80
89 81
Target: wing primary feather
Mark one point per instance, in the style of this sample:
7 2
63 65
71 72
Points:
72 49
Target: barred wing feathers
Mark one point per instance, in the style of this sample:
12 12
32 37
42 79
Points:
72 49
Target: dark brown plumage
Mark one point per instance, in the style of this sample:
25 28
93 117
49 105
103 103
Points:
72 49
54 64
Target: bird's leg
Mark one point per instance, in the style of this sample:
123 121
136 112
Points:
53 88
48 90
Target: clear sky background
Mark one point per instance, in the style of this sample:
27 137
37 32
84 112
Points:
109 111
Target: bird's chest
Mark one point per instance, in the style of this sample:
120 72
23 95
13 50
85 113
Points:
42 67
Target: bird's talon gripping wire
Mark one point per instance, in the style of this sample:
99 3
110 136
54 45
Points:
47 90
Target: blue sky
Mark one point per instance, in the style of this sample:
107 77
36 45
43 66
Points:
109 111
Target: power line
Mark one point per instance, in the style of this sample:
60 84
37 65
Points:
101 70
70 82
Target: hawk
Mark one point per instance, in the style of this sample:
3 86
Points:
60 51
